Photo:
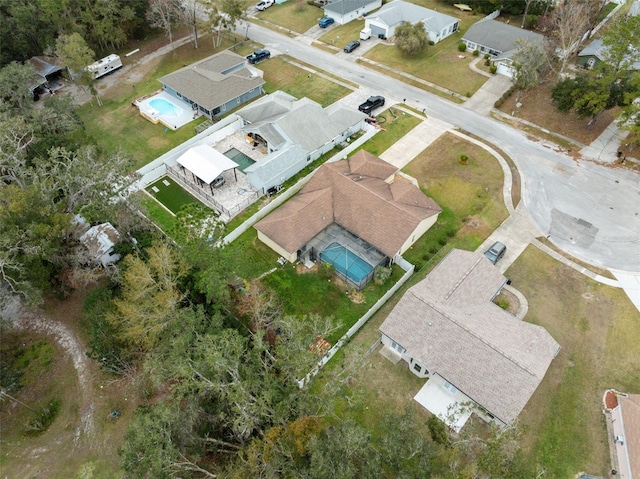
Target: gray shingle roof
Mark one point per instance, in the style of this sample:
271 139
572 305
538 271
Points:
449 324
342 7
208 82
399 11
597 49
498 35
280 118
354 194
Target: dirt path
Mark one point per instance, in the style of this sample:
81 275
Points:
29 320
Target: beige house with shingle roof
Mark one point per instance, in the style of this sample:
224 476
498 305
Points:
448 329
215 85
363 195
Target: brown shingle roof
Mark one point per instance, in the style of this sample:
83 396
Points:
449 324
206 83
352 193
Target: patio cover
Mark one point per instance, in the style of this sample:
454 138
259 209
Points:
206 163
442 403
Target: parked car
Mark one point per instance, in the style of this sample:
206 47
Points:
496 252
264 4
351 46
325 22
218 182
258 56
371 104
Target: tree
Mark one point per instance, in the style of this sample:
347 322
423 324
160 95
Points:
235 11
411 39
149 297
15 86
107 22
164 14
568 23
74 53
344 452
630 117
527 63
216 21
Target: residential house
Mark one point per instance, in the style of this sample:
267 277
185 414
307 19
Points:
294 133
478 357
99 240
498 39
384 22
215 85
623 413
343 11
356 214
595 52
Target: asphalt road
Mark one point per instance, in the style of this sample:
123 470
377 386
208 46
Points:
589 210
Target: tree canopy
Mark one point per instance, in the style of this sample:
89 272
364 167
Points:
411 38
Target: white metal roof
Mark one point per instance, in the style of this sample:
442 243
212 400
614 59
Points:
206 163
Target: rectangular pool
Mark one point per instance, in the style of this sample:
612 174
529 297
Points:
240 158
347 262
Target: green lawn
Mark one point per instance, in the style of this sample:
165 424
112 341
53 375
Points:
395 127
279 74
340 35
298 17
598 330
170 194
154 210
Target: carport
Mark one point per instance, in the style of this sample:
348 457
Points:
206 164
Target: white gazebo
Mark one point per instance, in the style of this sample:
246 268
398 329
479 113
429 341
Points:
206 164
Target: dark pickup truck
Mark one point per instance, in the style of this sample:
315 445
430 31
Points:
371 104
258 56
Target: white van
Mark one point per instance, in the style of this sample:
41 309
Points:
105 65
365 34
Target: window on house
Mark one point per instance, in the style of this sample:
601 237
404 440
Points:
417 368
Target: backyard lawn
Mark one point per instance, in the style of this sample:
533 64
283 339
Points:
170 194
118 126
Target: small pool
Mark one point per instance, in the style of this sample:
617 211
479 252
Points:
347 262
165 107
240 158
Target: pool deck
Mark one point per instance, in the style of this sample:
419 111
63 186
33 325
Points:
239 141
172 122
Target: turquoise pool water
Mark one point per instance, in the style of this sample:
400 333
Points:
346 262
165 107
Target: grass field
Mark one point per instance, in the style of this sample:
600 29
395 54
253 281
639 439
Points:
170 194
340 35
599 332
298 17
282 75
395 127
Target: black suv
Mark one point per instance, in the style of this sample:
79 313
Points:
258 56
371 104
351 46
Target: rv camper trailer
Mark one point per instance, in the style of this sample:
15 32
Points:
105 65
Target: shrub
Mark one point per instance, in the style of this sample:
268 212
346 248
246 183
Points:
493 69
476 53
381 275
503 303
326 270
44 418
462 47
464 159
438 431
486 56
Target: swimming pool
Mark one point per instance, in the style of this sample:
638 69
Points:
165 107
346 262
240 158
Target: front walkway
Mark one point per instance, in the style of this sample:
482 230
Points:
605 147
